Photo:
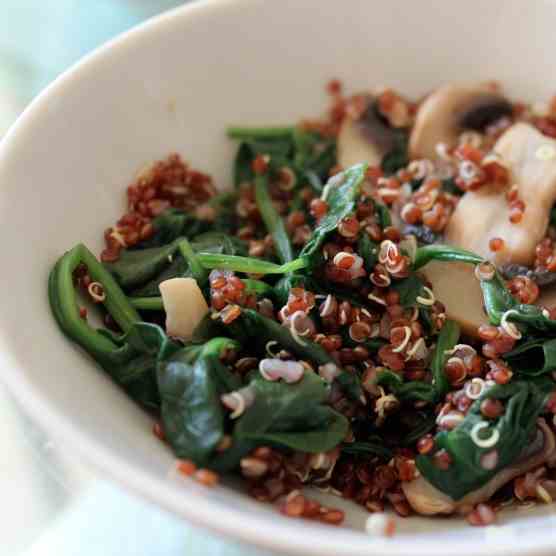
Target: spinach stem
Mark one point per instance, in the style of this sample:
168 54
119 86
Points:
197 269
147 303
63 300
272 220
444 253
249 265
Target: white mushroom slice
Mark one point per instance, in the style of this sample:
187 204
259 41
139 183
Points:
184 304
451 109
484 214
426 499
454 284
547 298
364 139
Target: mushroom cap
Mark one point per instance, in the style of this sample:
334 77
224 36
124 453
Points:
366 138
451 109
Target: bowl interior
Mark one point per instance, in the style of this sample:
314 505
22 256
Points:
174 85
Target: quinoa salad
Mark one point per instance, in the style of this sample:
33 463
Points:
370 310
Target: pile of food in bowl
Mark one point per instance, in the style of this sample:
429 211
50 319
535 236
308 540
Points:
369 311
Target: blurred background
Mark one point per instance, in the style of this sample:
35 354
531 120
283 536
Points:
52 504
39 39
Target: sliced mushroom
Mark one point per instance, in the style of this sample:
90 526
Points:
455 285
184 304
366 138
426 499
450 110
547 298
484 214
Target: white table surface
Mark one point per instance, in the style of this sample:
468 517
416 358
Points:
52 504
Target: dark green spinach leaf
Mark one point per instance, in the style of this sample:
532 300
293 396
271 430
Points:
533 358
272 220
447 339
409 289
523 401
190 385
292 415
340 193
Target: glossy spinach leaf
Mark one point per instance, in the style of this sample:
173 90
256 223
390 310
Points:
409 289
253 329
272 220
135 268
523 402
292 415
497 299
531 319
130 359
142 271
277 142
249 265
219 242
178 268
447 339
439 252
406 391
314 156
190 386
368 250
368 448
420 428
195 267
533 358
383 215
170 225
340 193
397 158
286 283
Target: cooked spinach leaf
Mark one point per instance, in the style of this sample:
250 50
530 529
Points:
439 252
135 268
292 415
523 401
195 267
409 289
191 411
170 225
314 156
414 390
533 358
368 448
397 158
272 220
178 268
129 359
252 328
447 339
368 250
249 265
340 193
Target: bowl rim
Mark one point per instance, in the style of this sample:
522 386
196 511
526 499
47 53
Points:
262 530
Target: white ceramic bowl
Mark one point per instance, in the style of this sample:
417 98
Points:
174 84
